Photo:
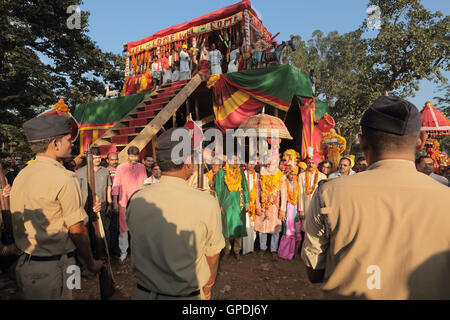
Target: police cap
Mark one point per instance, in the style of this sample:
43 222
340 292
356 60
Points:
47 126
392 114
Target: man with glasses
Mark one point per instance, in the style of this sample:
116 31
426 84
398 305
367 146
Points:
425 165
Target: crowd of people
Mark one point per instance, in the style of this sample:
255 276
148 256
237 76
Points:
182 63
178 224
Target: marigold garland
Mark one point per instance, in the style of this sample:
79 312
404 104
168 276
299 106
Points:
309 189
292 196
233 178
252 194
269 186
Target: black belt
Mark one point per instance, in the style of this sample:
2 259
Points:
49 258
192 294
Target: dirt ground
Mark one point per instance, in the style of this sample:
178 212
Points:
252 278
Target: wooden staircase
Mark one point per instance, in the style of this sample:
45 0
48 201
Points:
142 123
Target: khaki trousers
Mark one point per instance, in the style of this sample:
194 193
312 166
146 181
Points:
44 280
237 246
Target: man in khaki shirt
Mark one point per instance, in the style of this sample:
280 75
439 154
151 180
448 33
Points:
47 214
383 233
176 232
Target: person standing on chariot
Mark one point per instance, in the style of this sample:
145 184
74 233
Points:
215 58
185 66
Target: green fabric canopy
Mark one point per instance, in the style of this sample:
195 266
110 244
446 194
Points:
277 84
321 108
108 110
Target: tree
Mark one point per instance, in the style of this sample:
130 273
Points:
41 58
352 71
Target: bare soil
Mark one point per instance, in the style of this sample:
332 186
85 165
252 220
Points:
254 277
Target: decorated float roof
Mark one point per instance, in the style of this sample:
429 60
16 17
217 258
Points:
216 20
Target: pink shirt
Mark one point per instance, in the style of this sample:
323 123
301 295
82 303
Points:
128 179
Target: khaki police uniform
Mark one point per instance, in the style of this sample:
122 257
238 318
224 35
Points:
173 228
45 202
382 233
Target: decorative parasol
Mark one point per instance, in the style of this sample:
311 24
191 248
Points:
266 126
433 121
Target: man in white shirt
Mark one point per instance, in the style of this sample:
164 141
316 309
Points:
425 164
185 66
176 72
156 71
234 59
307 184
156 175
215 58
344 169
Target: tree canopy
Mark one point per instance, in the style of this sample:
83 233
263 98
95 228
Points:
353 70
43 57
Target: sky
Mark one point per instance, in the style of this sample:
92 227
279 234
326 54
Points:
115 22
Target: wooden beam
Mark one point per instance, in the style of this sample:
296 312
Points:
207 119
154 147
152 128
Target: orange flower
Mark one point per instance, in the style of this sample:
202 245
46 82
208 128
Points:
310 190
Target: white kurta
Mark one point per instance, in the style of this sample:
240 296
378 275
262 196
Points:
185 66
248 243
215 58
303 198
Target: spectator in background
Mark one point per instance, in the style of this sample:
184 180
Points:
185 65
344 169
166 67
156 71
148 162
215 58
155 174
361 165
102 189
130 177
112 159
425 164
176 72
325 167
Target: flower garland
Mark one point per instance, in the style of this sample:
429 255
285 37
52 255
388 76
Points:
292 196
309 189
252 194
233 178
269 187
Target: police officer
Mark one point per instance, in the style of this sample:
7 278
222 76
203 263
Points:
176 231
383 233
47 214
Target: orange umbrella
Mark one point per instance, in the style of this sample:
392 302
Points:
433 121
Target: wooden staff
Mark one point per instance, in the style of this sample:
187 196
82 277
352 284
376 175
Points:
7 232
97 233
